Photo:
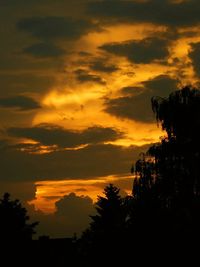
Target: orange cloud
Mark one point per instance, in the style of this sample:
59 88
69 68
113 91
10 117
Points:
48 192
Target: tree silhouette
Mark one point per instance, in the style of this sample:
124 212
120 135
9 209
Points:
162 216
110 211
167 186
179 113
14 226
106 230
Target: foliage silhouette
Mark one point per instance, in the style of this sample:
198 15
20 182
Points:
110 211
162 216
166 190
107 228
14 226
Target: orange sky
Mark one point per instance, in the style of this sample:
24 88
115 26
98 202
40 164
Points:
48 192
78 106
61 105
76 81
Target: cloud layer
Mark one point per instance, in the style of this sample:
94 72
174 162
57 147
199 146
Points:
144 51
170 13
49 135
22 103
44 50
136 105
55 27
89 162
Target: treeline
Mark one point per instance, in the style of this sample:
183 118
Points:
162 216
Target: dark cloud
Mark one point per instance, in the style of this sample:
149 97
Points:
81 190
131 107
17 2
84 76
163 12
19 70
25 82
55 27
137 106
143 51
84 54
89 162
48 135
194 55
161 85
25 191
22 103
44 50
71 216
72 205
100 65
131 90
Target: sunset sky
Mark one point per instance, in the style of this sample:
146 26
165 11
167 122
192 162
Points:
76 80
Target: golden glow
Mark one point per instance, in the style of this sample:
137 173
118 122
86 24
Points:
57 99
78 105
75 105
118 33
81 105
48 192
41 149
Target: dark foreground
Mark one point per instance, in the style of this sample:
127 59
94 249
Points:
67 252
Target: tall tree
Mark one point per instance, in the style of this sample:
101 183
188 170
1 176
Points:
14 226
167 184
104 236
110 211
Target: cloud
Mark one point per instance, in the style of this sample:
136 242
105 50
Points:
161 85
56 27
24 191
100 65
185 13
84 76
137 104
71 216
89 162
25 82
19 2
44 50
131 107
48 135
72 205
131 90
194 55
23 103
142 51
